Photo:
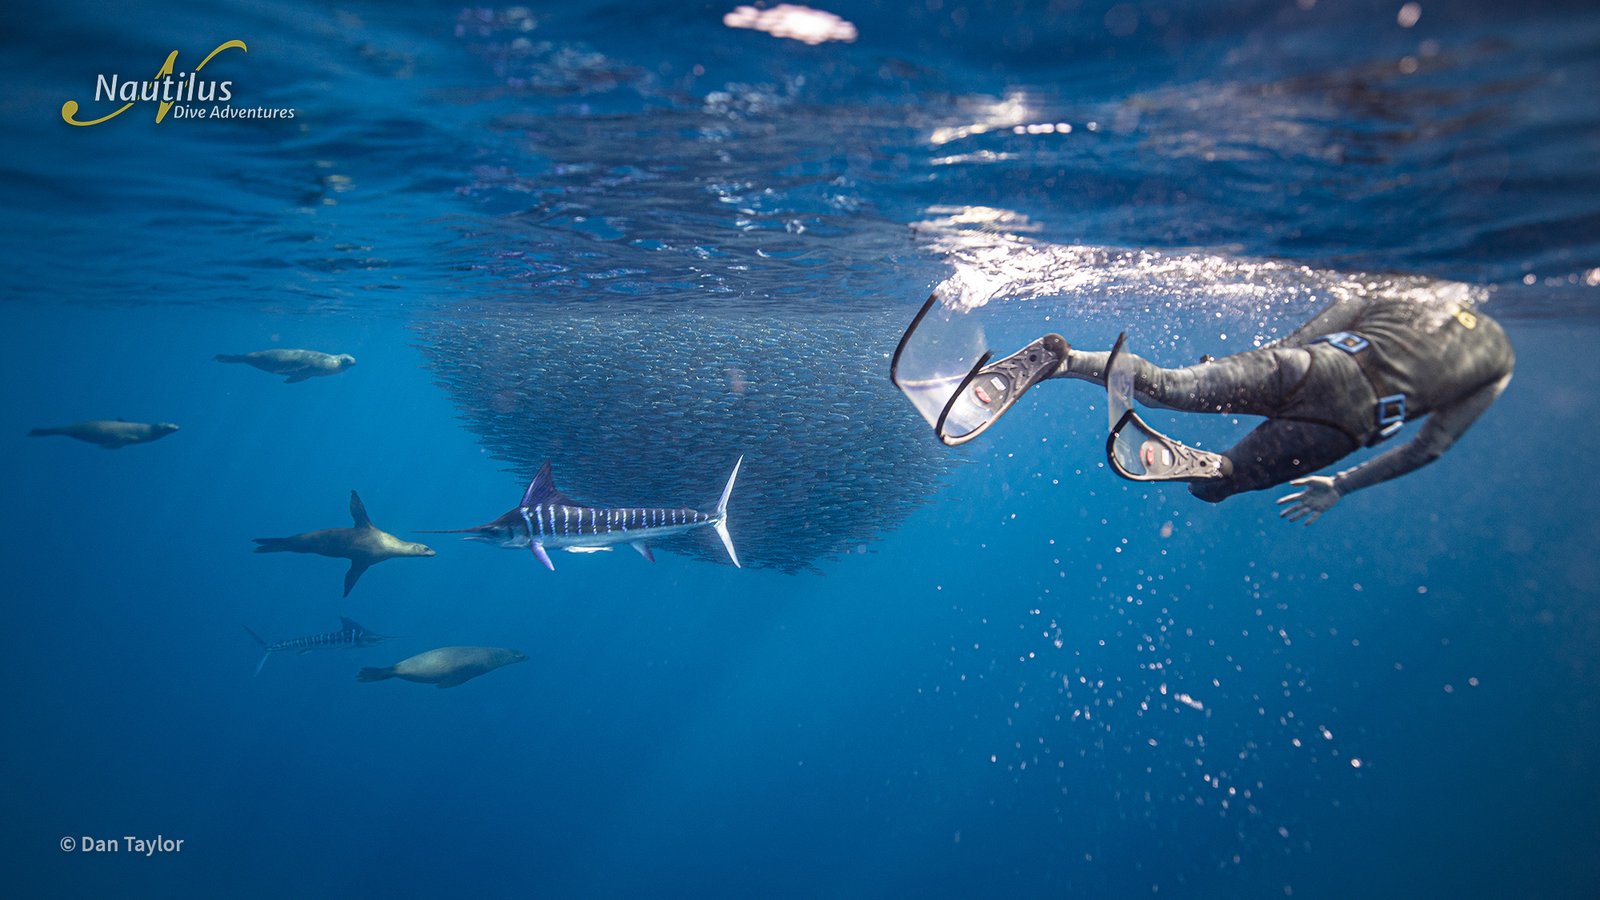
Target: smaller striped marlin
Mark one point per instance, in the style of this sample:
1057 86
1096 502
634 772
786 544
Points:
547 519
349 635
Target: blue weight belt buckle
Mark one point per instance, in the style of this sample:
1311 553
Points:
1348 341
1391 415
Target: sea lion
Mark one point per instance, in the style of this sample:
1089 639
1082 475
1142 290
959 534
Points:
110 433
446 666
298 365
364 545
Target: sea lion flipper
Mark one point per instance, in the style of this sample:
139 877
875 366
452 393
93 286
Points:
454 680
358 511
352 576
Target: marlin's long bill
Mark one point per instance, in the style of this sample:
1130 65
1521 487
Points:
548 520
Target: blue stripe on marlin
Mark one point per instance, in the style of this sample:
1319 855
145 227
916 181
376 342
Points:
547 519
350 634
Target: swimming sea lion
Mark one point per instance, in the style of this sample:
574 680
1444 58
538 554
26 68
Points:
364 545
297 364
446 666
110 433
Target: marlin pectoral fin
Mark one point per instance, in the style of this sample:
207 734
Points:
352 576
644 550
538 550
303 652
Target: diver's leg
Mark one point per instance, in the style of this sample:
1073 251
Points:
1256 383
1277 451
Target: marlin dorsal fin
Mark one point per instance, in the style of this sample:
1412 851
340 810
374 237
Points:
542 490
358 511
350 624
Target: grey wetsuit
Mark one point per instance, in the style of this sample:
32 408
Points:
1344 380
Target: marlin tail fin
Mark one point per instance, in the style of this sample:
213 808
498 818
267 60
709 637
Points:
719 516
263 644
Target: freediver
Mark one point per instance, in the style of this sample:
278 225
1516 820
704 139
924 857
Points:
1349 378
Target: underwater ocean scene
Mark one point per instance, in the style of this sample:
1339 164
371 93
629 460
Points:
670 249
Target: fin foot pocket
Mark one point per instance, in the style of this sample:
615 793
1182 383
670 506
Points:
993 388
1138 452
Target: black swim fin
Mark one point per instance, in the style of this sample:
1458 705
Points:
1138 452
991 388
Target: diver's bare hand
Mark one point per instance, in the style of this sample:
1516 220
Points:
1318 497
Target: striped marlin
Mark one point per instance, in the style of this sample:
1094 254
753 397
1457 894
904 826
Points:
547 519
350 634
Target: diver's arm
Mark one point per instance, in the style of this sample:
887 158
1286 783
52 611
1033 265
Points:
1438 433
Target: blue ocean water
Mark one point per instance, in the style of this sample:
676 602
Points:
1005 671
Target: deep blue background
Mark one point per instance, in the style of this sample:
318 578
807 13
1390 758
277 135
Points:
982 702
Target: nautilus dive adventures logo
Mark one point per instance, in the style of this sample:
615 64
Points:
185 93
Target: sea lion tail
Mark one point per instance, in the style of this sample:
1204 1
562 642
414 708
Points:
272 545
46 432
369 674
229 358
